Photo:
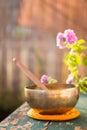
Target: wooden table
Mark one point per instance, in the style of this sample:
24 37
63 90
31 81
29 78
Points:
19 120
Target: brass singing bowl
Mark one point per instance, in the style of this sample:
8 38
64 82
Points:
59 98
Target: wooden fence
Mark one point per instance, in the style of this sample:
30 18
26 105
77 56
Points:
55 15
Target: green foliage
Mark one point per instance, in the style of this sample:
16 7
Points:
83 85
76 57
52 81
84 60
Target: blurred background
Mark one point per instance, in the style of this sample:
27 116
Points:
28 30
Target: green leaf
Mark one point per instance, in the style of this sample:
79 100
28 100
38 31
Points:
77 49
82 90
84 60
83 47
78 59
81 41
52 81
83 85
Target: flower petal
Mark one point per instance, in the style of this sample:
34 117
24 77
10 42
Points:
60 40
70 79
44 79
70 36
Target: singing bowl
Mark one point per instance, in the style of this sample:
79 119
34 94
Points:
59 98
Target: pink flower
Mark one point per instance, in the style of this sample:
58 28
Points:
44 79
70 79
70 36
60 40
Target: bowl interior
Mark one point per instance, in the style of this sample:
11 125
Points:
55 86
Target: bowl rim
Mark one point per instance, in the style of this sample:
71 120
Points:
69 86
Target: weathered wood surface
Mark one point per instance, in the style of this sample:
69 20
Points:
19 120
